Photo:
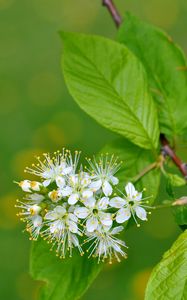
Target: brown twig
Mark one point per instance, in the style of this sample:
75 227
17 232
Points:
113 11
167 150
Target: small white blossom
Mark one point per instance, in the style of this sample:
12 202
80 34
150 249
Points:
105 245
94 213
62 229
130 204
103 173
78 188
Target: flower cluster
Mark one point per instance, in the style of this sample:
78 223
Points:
76 207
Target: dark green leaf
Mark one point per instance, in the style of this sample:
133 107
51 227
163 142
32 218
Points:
169 278
166 68
64 279
110 84
135 160
181 215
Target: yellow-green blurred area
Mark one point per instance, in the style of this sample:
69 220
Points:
37 114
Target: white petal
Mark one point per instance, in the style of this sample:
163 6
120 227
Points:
36 197
51 215
35 186
73 199
105 218
37 221
90 202
117 229
114 180
66 191
123 215
95 185
72 217
91 224
73 179
57 226
60 181
75 240
141 213
107 188
81 212
130 190
25 185
117 202
103 203
67 171
46 182
73 227
138 197
87 194
60 210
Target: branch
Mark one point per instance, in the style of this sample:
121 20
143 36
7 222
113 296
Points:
113 11
166 148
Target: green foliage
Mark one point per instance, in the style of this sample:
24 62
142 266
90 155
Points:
181 215
176 180
64 279
135 159
168 279
166 68
110 84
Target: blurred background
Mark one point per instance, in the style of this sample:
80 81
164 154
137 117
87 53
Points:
37 114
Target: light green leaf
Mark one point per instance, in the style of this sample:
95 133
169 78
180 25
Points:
169 278
64 279
166 68
181 215
134 160
176 180
110 84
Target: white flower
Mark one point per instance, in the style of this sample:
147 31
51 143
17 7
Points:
103 174
55 168
30 214
25 185
94 213
130 205
62 229
105 245
78 188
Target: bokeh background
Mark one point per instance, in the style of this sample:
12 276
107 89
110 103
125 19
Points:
37 114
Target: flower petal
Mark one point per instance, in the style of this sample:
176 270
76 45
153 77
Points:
117 202
107 188
123 215
117 229
91 224
130 190
60 181
103 203
95 185
81 212
37 221
114 180
73 199
105 218
87 194
67 170
90 202
73 227
46 182
66 191
60 210
141 213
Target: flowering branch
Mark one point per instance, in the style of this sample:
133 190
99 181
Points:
166 149
113 11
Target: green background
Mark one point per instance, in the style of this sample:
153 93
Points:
37 114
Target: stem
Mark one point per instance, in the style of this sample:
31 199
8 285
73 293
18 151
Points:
145 171
113 11
167 150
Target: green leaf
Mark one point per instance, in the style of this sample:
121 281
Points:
64 279
135 160
169 278
110 84
176 180
181 215
166 68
